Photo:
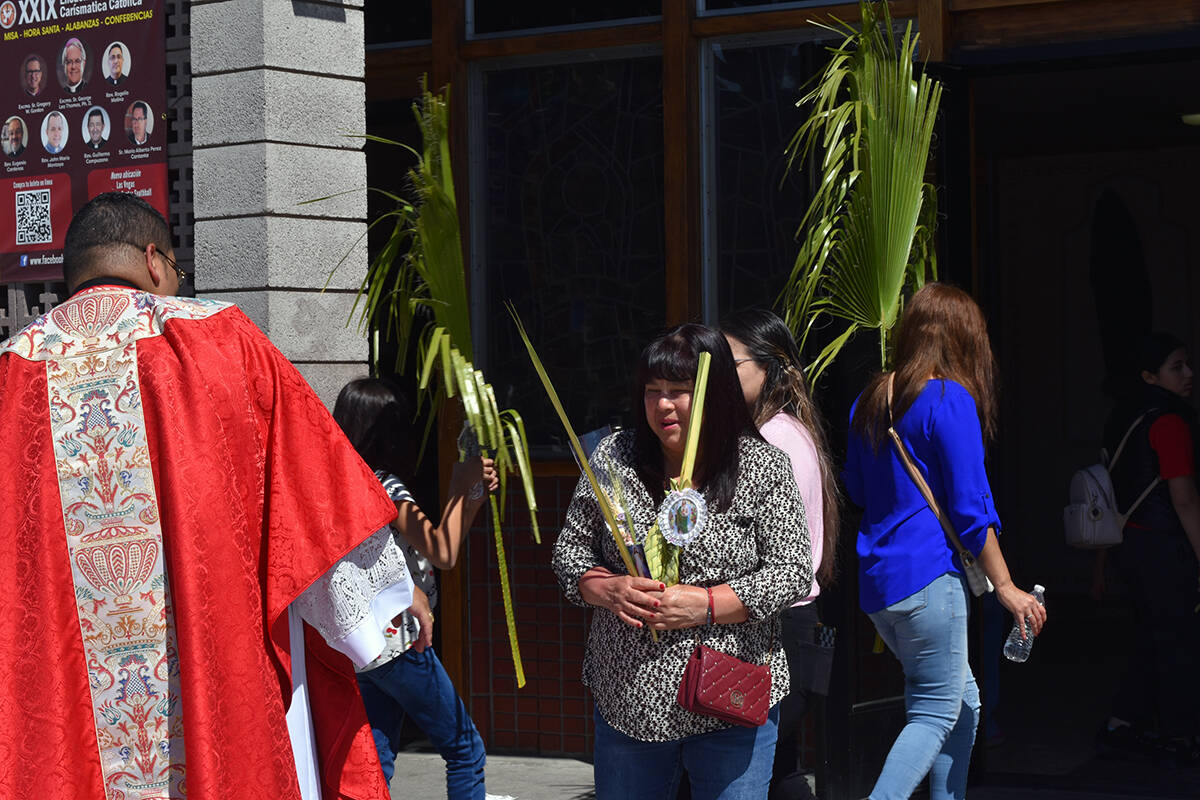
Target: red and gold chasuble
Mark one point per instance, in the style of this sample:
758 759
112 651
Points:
171 484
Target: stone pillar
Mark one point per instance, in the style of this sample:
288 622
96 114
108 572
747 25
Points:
277 85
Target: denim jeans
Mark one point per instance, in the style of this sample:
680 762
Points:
729 764
928 633
799 624
416 684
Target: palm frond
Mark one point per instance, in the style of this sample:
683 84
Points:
421 266
868 230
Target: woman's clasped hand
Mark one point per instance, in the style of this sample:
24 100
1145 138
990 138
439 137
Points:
634 600
644 601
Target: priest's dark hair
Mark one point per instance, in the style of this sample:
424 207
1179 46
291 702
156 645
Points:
376 417
675 356
107 224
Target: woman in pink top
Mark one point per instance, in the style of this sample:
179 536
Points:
769 367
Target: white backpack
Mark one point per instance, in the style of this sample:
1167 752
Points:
1091 518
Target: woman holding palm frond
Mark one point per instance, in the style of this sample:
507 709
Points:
749 561
941 400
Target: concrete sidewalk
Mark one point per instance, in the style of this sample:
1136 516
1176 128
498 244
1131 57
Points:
421 774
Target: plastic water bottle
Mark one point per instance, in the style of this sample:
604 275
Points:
1017 648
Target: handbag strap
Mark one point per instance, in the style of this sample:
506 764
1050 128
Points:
914 473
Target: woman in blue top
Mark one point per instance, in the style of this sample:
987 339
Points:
944 409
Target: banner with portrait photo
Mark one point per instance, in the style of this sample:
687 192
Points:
83 91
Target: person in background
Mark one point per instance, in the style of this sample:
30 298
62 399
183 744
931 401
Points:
56 132
95 128
772 377
408 679
139 115
941 399
748 563
14 137
1156 708
116 64
74 62
33 75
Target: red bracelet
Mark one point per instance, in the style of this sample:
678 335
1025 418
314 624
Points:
711 614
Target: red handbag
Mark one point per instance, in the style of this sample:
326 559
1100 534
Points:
719 685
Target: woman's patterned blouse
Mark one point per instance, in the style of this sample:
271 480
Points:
759 546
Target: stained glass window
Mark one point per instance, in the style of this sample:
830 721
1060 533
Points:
571 213
757 203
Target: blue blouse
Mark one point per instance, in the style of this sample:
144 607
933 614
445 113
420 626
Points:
901 546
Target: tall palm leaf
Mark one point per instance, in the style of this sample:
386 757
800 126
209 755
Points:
867 232
421 266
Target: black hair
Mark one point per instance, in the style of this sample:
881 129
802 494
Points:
1154 348
106 222
377 419
142 105
770 343
95 112
675 356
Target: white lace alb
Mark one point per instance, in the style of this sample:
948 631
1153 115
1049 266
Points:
352 603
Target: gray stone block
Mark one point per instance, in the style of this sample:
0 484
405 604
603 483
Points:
253 304
246 179
227 36
289 34
305 326
328 379
257 252
309 326
279 107
229 108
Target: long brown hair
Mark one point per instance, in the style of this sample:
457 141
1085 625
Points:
942 334
771 345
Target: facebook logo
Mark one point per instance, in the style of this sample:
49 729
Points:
24 260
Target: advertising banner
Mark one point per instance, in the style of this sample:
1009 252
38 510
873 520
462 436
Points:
83 91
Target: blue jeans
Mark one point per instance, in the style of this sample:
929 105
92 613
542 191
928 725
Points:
928 633
416 685
729 764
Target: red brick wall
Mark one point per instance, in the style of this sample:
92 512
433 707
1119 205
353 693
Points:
552 714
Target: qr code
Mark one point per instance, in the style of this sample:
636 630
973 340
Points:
33 217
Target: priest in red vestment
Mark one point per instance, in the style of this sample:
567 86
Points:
170 485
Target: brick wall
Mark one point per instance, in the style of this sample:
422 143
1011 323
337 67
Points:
551 715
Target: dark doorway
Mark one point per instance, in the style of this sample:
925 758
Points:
1086 231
